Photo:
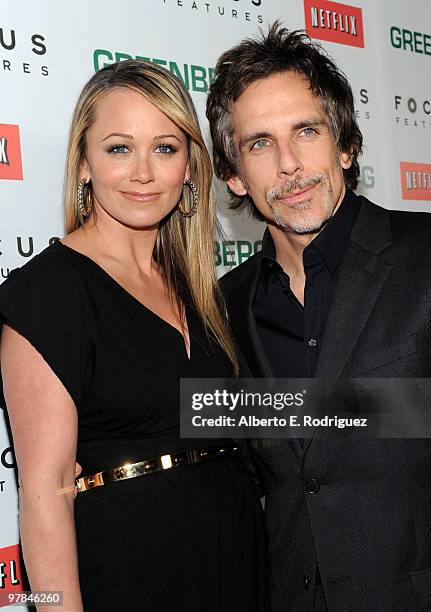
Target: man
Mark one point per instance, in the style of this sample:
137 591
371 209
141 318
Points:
340 289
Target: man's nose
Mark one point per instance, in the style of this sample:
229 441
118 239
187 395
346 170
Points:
143 169
288 161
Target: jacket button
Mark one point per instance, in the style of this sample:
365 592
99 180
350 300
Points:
312 486
306 580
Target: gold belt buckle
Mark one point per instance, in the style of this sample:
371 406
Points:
90 482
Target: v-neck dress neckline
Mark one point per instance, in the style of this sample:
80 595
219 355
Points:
121 288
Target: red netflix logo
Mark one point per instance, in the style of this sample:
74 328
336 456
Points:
10 573
335 22
415 181
10 152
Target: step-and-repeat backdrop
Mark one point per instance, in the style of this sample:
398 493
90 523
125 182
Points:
49 49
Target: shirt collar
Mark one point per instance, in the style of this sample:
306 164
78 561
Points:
269 263
330 242
332 239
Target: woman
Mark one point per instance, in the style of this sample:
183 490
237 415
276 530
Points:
98 329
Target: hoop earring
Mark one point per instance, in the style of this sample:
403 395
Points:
84 198
194 206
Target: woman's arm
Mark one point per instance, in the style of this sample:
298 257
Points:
43 419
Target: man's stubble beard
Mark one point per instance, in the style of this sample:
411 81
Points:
300 225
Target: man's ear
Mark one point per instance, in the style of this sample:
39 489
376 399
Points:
346 159
236 185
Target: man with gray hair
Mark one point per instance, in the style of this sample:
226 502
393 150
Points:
339 290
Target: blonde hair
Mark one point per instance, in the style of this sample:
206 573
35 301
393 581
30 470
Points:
184 246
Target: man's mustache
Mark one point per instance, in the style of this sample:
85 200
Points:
295 186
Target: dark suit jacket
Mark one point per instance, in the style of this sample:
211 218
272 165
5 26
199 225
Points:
368 526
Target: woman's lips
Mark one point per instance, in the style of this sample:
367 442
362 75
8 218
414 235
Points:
299 196
137 196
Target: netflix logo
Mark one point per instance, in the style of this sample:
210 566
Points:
415 181
10 153
334 22
10 572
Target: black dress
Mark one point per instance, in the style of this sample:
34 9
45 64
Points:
189 539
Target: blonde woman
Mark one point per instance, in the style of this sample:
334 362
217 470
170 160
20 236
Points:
98 329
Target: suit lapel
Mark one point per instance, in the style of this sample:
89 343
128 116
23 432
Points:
361 277
363 271
243 323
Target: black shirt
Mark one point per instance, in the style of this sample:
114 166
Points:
291 333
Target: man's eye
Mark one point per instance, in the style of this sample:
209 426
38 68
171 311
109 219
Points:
118 149
165 149
308 132
260 144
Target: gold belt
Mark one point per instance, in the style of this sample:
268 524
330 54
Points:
155 464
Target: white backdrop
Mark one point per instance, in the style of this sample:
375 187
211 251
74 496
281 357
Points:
49 49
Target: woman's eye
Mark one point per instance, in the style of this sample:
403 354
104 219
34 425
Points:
165 149
260 144
118 149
